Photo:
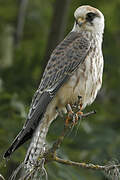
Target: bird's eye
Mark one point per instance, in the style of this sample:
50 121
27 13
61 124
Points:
90 16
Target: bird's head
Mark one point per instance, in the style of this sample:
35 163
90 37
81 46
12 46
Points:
88 18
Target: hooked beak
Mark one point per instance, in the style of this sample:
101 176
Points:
80 21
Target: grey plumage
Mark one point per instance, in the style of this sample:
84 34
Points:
74 69
73 50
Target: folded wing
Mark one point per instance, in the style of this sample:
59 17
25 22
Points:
65 59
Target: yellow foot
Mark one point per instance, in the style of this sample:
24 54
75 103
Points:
72 117
79 113
69 118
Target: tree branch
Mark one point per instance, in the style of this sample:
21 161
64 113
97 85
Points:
82 165
50 155
60 139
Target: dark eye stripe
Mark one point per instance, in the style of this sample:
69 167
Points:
90 16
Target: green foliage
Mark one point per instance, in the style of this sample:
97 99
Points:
97 139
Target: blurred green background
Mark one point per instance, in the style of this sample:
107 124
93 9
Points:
29 30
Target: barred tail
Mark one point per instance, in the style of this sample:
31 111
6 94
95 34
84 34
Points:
37 146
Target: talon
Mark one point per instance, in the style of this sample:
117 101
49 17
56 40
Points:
74 117
77 115
80 113
69 117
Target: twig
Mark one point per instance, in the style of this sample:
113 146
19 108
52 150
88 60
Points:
82 165
89 113
57 144
111 171
50 154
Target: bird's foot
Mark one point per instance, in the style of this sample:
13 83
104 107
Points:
72 117
79 114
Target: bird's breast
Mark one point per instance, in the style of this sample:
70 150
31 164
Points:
89 79
86 81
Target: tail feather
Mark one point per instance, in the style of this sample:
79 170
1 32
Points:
22 137
37 146
32 122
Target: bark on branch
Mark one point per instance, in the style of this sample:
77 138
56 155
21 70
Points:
50 155
111 171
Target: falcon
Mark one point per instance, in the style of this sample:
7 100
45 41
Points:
75 69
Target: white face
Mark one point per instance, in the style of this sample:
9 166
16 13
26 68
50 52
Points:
89 19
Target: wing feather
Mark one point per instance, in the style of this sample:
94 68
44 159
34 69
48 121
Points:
65 59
